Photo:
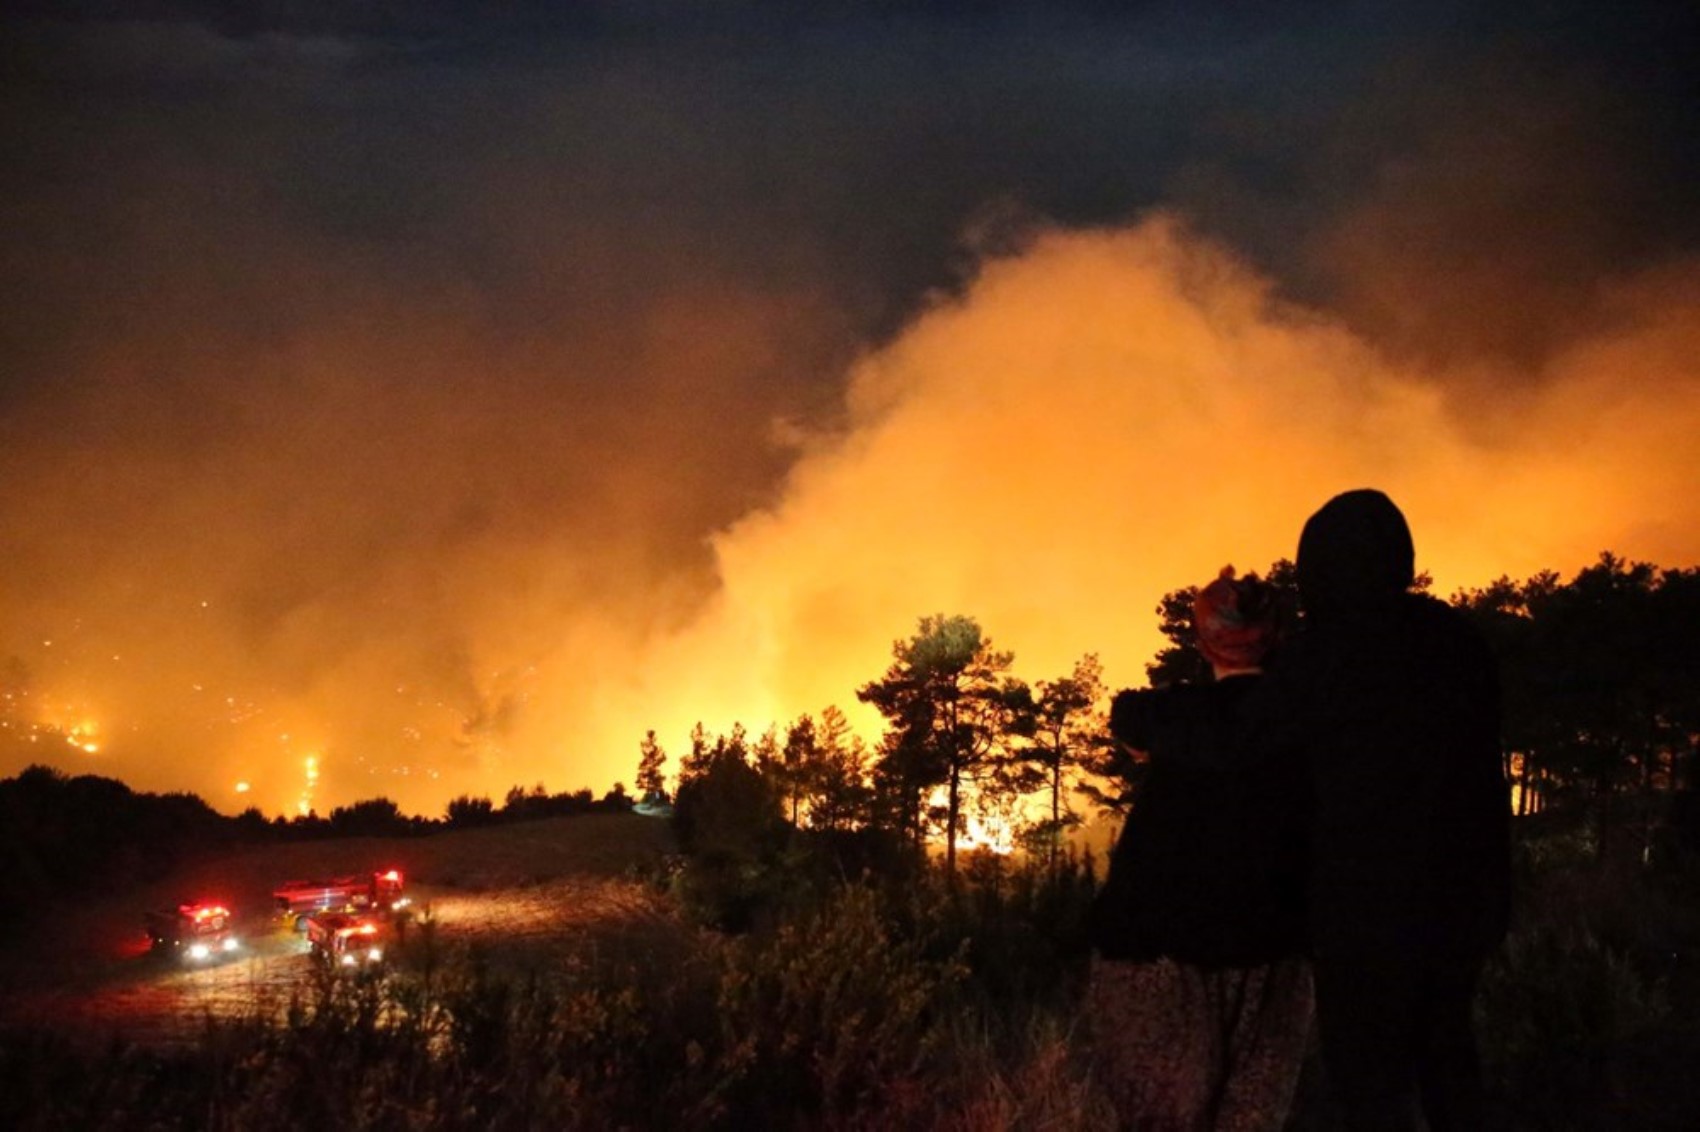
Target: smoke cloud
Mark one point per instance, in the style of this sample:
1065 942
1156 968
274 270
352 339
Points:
449 402
1111 415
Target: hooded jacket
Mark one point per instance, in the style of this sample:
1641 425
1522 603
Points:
1388 704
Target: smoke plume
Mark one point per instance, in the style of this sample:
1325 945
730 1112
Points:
425 403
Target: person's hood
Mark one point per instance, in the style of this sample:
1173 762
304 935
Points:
1355 555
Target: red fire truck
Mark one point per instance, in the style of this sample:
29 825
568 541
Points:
357 893
197 933
346 940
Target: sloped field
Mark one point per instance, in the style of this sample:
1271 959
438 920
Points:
529 893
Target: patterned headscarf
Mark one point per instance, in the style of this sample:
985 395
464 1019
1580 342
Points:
1235 620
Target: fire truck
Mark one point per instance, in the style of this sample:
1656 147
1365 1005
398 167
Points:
360 892
197 933
346 940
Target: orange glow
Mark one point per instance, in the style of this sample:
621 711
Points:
1113 415
1101 418
994 833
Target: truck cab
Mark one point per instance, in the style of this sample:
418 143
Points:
198 932
344 940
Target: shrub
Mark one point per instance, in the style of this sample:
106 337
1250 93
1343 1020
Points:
1557 1012
833 1012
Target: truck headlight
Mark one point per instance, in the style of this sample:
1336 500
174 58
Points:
230 943
199 951
348 960
375 954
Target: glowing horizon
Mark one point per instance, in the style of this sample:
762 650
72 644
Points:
1103 416
453 395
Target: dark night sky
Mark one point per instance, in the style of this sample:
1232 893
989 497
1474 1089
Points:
389 369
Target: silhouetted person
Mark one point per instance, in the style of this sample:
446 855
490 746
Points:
1387 703
1200 999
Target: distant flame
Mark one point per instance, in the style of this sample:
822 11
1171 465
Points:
311 765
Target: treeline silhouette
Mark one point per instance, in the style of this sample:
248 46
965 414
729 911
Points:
69 836
1602 699
1601 679
1601 689
62 837
520 804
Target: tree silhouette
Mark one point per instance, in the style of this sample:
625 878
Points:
948 705
1063 724
798 764
466 811
730 823
838 794
372 817
652 762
